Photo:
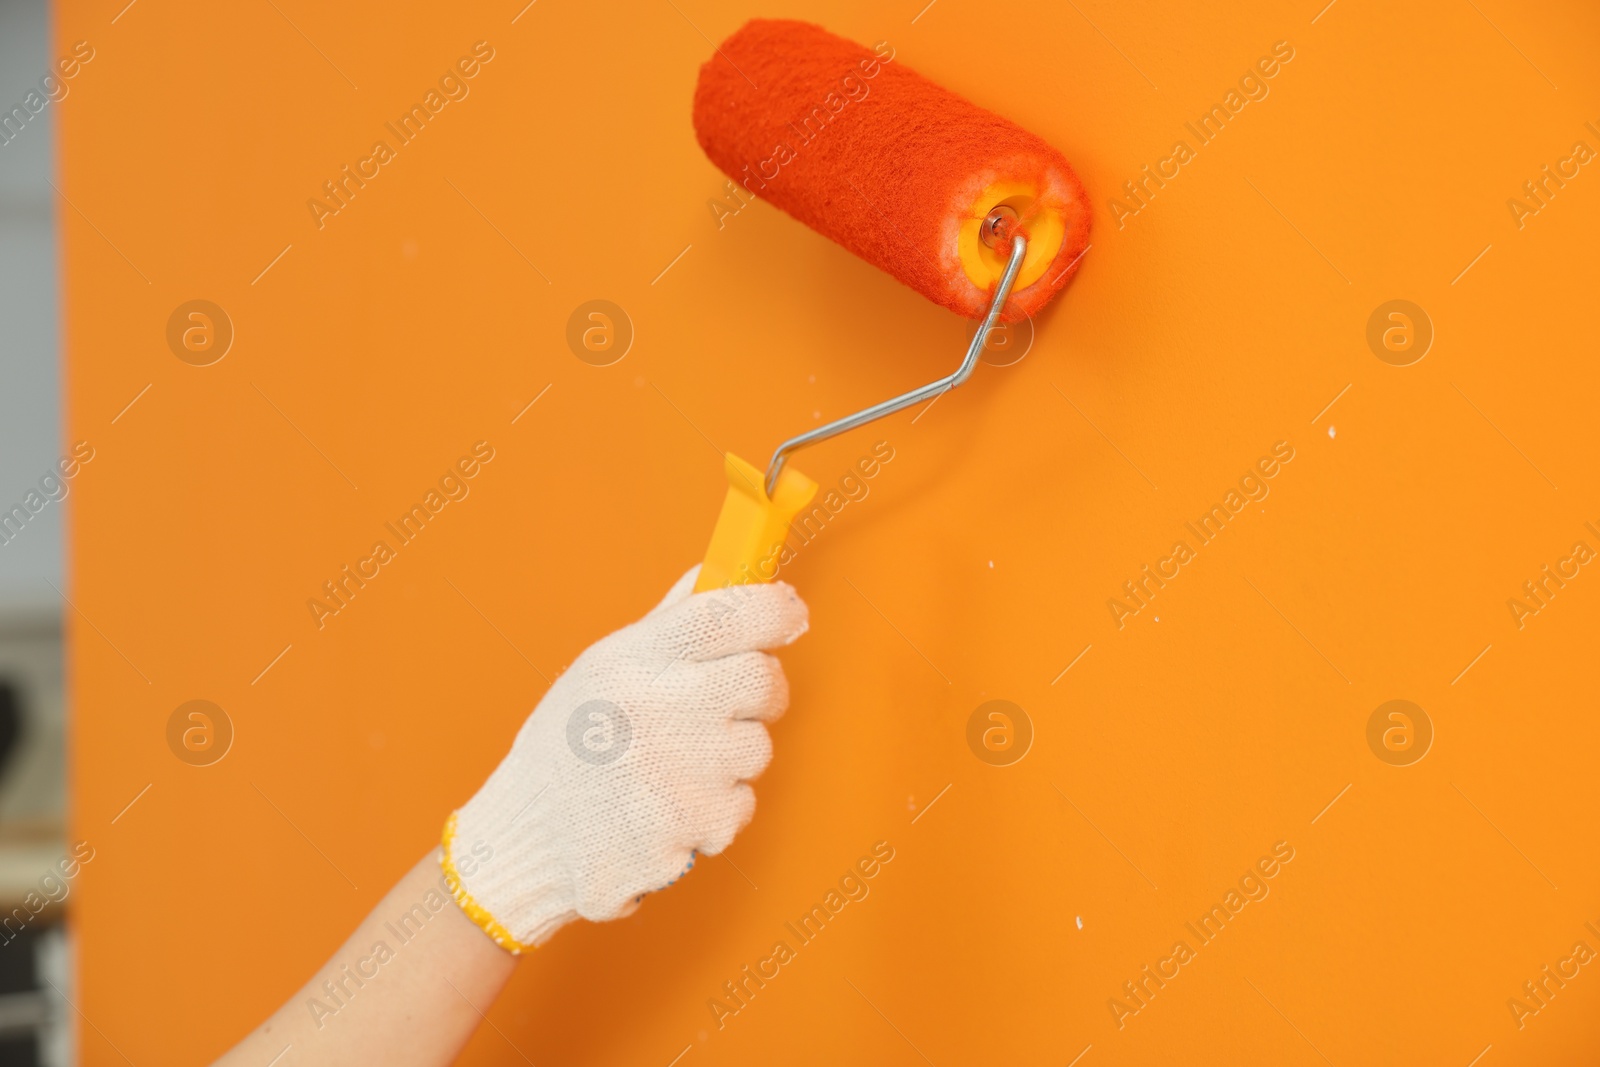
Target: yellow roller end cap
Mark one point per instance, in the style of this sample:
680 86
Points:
752 528
984 265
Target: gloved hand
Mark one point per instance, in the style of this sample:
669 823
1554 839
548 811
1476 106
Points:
639 756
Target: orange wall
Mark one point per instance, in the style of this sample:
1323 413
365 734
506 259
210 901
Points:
1222 318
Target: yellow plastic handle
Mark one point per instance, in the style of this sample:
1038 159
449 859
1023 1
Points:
752 528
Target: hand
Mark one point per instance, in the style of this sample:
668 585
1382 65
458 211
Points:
638 757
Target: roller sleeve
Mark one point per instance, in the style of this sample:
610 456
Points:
901 172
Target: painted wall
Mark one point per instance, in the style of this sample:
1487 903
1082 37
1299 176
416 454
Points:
1221 726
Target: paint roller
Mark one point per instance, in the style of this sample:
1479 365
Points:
970 210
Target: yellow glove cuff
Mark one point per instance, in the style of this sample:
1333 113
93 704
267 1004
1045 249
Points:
475 911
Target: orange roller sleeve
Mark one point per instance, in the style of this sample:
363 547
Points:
869 153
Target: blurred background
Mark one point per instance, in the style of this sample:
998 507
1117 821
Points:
33 956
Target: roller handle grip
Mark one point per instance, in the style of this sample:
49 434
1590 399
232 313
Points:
752 528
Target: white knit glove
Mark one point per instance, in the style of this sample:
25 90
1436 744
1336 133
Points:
638 757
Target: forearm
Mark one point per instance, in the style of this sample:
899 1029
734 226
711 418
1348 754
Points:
406 989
